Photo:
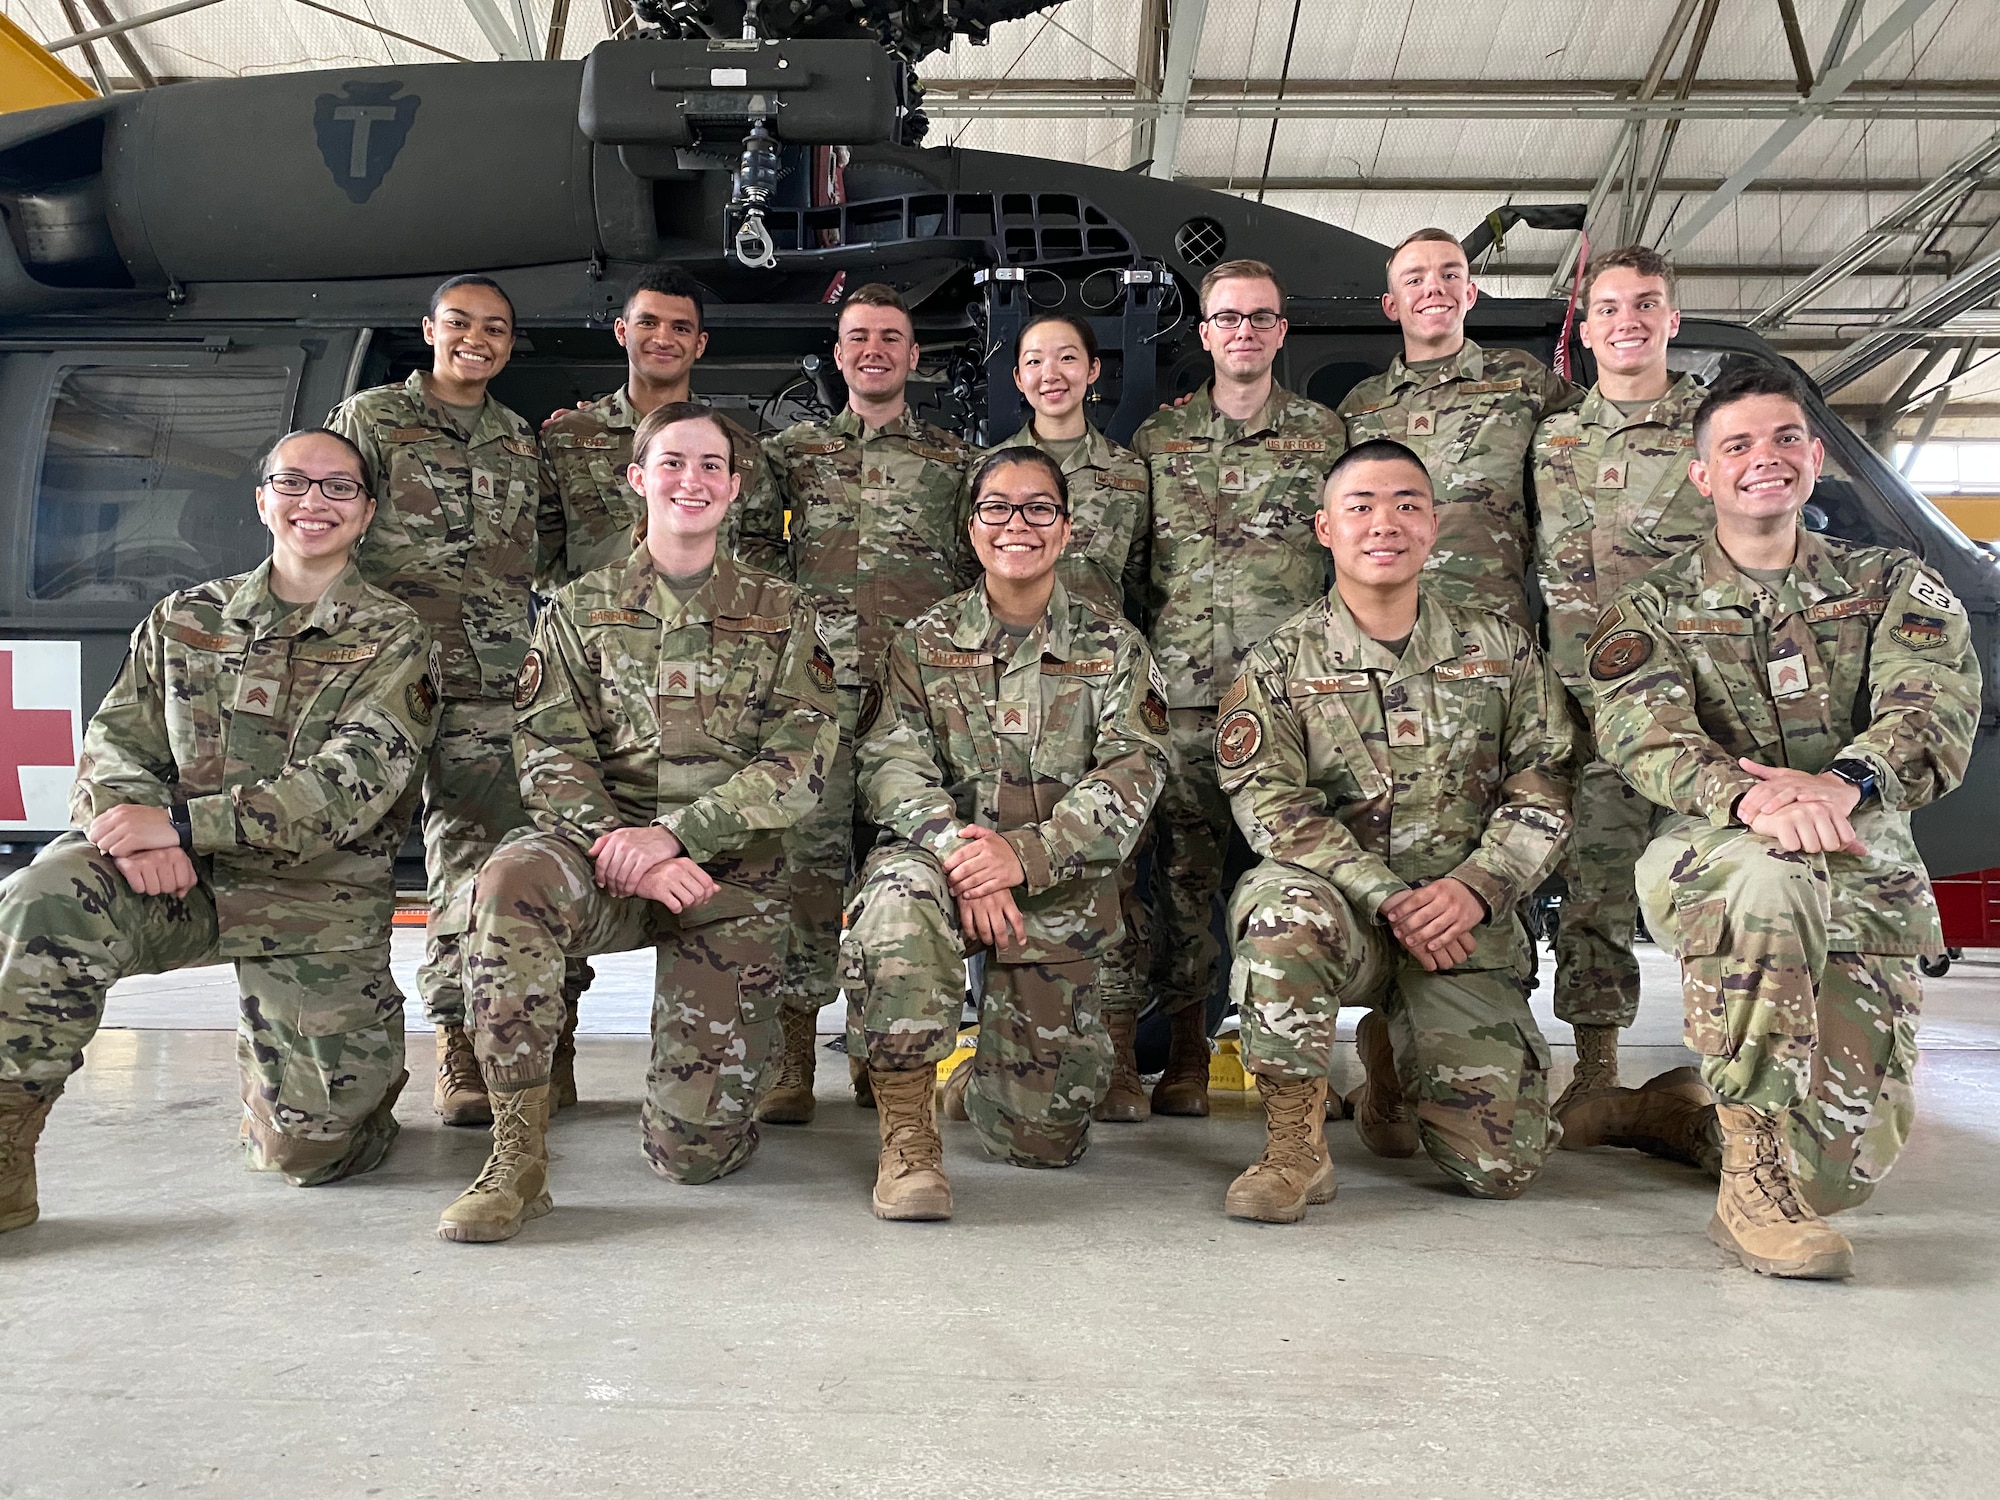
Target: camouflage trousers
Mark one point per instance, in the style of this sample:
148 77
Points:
715 997
1597 976
472 800
1472 1061
1825 1043
1194 825
319 1037
819 853
1124 974
1044 1058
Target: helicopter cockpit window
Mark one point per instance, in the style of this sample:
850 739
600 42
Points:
147 478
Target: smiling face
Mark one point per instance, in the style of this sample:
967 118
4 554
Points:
1243 353
311 527
688 478
1378 521
662 336
1053 369
471 334
876 352
1017 549
1628 322
1759 460
1430 292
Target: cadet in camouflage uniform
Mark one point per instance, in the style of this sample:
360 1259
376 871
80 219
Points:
1111 514
1018 749
676 716
1470 414
1402 764
458 475
1236 475
587 450
242 792
1613 500
1790 699
877 536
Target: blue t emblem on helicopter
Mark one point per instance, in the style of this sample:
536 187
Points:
361 134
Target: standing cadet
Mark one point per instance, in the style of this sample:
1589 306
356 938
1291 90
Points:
1055 366
1469 413
1790 698
243 790
1402 763
1020 743
458 475
1236 474
1613 500
877 536
676 715
589 449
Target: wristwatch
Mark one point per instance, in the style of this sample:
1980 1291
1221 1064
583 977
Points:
1859 775
177 814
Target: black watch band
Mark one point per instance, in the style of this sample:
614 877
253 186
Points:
1859 775
177 814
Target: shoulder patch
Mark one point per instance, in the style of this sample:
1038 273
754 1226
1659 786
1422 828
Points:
1927 590
1919 632
421 698
1620 655
1607 622
529 681
1238 738
615 617
1153 707
1233 699
819 666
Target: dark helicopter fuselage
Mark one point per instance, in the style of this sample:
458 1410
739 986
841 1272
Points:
192 270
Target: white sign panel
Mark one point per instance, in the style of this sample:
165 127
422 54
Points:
41 731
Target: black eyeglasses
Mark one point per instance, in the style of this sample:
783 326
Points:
997 513
293 485
1263 320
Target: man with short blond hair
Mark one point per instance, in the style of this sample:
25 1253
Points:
1235 475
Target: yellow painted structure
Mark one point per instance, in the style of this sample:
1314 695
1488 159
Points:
1978 516
30 77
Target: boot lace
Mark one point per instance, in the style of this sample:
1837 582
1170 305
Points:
801 1034
512 1141
460 1067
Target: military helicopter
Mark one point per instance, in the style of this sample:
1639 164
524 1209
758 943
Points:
189 271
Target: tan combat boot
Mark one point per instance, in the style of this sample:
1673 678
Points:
910 1181
790 1101
461 1092
22 1115
514 1185
1587 1103
1671 1116
1125 1098
951 1098
1759 1215
1295 1169
1183 1087
562 1067
1382 1116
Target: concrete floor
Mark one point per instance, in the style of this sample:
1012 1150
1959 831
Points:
176 1325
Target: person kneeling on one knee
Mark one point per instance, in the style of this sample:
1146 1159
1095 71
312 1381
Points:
242 793
1011 761
1403 766
674 716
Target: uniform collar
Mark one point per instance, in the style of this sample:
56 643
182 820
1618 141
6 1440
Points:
1432 639
1815 572
1094 454
976 626
490 424
642 588
1675 409
255 606
615 410
1206 421
849 424
1469 363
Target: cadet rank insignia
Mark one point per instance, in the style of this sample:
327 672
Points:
1423 424
257 695
529 681
820 667
1237 739
1788 676
1622 653
1611 476
421 697
1919 632
1406 730
1011 718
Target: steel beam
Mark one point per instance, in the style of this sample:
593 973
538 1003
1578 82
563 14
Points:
1537 189
119 28
1825 93
1973 287
1148 68
967 98
1916 215
1185 19
500 34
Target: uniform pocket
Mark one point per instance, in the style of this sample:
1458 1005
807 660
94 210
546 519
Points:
1701 927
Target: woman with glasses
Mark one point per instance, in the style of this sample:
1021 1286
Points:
1056 366
1011 759
241 796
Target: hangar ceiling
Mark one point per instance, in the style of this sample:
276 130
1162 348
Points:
1829 168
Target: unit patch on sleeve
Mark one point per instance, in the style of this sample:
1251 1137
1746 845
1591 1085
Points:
1919 632
421 697
1620 654
1238 738
820 667
529 682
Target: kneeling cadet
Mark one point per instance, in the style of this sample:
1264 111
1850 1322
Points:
674 716
1403 766
1011 761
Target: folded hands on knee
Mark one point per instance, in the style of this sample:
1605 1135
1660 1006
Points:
1804 813
649 862
983 872
1434 921
144 845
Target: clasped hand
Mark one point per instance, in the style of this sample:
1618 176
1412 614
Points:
143 844
1434 921
649 862
1804 813
982 873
